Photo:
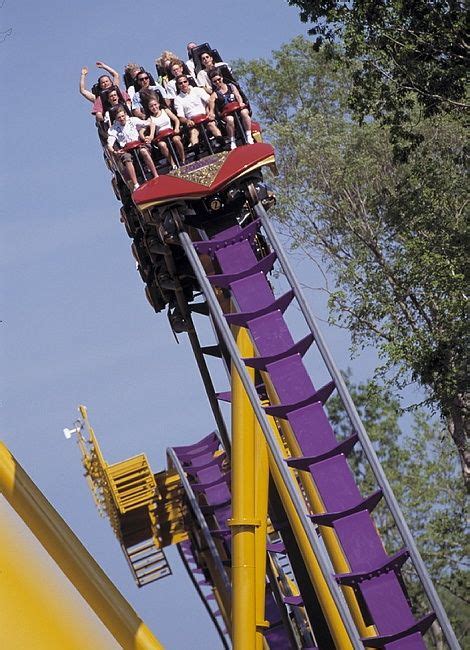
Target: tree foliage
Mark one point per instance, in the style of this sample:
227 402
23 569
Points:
392 234
422 467
412 53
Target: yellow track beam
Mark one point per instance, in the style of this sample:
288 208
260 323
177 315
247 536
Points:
72 557
40 608
244 521
261 510
335 624
329 537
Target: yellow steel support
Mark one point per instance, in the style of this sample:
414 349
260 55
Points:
169 517
118 488
329 537
72 557
335 624
130 486
261 510
132 483
40 608
244 521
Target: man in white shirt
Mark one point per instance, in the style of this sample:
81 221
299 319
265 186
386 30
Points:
177 69
189 102
126 129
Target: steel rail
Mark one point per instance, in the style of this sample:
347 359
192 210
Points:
360 430
298 503
200 593
200 517
209 388
201 361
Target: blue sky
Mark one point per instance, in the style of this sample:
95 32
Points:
76 325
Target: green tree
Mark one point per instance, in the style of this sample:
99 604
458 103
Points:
391 235
422 467
411 53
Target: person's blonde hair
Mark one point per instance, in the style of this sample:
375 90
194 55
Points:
164 56
131 66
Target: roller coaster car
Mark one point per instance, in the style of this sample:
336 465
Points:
205 179
209 195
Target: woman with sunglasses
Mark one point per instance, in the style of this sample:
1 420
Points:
143 87
224 94
208 65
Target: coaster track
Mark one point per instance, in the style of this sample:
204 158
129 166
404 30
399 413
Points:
204 245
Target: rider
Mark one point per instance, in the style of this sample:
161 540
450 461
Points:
142 85
159 120
125 129
114 97
190 62
176 69
104 81
189 102
207 61
226 93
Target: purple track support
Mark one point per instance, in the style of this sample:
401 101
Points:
212 484
189 556
302 405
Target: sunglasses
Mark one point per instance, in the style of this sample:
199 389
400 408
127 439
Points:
142 78
180 83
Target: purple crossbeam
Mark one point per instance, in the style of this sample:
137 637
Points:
190 557
346 510
212 484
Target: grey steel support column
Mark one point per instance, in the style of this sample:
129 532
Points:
360 430
298 503
210 391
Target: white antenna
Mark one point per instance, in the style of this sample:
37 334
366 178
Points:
68 433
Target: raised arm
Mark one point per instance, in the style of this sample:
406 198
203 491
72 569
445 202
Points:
83 91
108 68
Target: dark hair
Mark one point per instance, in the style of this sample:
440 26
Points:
146 96
115 110
96 88
203 67
105 101
138 84
215 72
128 80
104 76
